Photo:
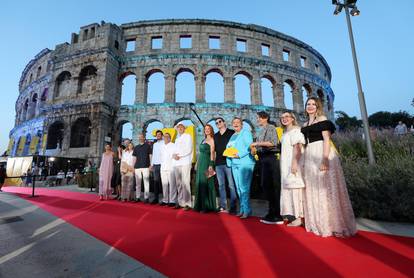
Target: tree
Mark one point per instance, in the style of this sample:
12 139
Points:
385 119
345 122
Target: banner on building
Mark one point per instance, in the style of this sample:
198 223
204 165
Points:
16 167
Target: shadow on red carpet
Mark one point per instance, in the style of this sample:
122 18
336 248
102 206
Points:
188 244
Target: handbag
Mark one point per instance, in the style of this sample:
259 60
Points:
294 181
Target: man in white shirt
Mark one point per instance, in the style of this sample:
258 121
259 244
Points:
169 189
182 160
156 165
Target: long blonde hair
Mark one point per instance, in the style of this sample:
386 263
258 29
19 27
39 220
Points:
319 106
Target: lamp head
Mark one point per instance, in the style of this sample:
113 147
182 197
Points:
355 11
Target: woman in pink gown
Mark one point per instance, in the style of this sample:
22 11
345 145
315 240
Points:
328 210
105 173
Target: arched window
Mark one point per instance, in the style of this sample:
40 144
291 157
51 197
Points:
242 88
128 89
185 86
43 98
55 135
80 133
63 84
306 92
126 129
39 71
267 91
214 87
150 127
155 86
87 80
288 87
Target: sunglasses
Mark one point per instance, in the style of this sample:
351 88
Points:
219 121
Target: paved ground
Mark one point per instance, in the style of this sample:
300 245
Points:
34 243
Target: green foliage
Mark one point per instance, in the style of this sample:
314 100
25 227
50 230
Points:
346 122
384 191
389 120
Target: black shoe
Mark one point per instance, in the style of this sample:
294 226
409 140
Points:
146 201
137 200
186 208
177 207
155 201
171 204
163 204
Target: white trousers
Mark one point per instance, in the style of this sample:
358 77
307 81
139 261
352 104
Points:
169 189
182 176
142 173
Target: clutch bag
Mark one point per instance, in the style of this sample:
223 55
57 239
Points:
294 181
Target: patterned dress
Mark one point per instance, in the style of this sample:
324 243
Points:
328 210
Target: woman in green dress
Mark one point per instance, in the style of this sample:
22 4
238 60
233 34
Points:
205 192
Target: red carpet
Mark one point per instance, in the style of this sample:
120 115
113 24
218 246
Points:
189 244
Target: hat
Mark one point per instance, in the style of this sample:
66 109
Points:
179 123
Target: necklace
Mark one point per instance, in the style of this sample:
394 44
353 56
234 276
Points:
314 119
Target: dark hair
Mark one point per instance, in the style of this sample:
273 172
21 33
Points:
159 131
220 118
263 115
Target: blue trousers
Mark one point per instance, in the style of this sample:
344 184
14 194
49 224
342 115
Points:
243 175
223 173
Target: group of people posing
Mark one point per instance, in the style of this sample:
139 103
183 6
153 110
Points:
306 186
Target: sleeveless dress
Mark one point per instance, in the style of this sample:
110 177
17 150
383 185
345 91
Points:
105 175
328 210
205 192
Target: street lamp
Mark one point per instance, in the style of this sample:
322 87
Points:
346 5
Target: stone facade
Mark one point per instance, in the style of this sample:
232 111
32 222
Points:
73 94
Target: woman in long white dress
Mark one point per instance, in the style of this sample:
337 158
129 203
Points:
328 210
291 199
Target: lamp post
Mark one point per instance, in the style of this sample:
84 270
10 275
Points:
351 4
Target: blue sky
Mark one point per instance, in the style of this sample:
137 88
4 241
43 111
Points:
383 34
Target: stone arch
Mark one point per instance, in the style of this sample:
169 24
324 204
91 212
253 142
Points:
267 85
80 133
125 130
186 120
214 69
87 80
214 79
125 74
55 133
306 92
149 126
242 84
189 90
288 87
44 95
128 88
25 109
62 84
155 85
